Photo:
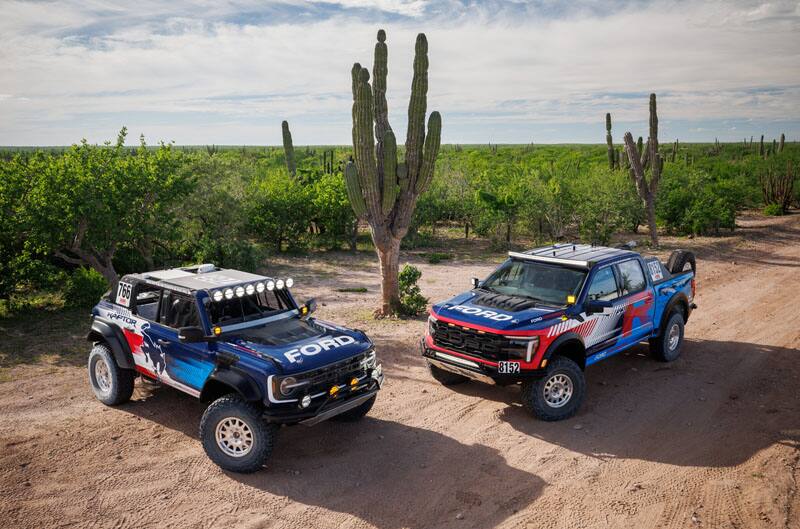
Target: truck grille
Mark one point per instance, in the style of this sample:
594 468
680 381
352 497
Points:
321 380
470 341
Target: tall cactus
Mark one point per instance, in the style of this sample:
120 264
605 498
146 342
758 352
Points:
383 190
609 142
647 188
288 149
782 142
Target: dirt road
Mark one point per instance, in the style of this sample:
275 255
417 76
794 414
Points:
710 440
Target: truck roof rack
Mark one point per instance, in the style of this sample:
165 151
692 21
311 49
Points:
575 255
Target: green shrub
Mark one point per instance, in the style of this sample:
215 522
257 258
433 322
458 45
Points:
438 257
773 210
412 302
690 201
84 288
279 210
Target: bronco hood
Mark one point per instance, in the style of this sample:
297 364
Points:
498 312
300 345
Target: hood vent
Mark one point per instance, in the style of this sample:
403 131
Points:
502 301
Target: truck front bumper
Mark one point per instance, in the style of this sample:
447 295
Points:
475 370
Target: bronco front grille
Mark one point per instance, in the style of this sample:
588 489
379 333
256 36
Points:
470 341
320 380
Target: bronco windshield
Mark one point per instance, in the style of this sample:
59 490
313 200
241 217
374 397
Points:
252 308
544 283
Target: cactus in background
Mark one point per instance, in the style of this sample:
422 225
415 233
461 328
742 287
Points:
288 149
774 150
778 188
761 151
782 142
327 161
647 189
674 150
382 190
609 142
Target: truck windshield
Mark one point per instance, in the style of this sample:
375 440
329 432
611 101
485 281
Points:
247 308
545 283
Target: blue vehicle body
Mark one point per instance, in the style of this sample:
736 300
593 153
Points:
479 334
144 317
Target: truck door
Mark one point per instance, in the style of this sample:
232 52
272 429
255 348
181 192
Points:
635 302
604 331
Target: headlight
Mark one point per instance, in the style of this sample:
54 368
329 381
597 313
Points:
279 284
228 293
249 290
370 360
523 347
240 292
431 325
216 295
260 287
289 282
270 285
287 386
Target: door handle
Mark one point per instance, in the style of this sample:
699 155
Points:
162 341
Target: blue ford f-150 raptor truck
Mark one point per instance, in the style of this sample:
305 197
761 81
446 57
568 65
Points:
238 341
546 314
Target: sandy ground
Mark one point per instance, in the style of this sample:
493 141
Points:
710 440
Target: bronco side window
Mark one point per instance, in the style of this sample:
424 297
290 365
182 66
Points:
146 302
179 311
604 285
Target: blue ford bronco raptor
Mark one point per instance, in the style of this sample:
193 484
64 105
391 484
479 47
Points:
238 341
545 315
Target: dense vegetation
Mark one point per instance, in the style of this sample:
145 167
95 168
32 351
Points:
114 209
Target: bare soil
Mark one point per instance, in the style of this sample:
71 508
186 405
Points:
710 440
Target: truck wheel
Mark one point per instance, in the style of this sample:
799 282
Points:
111 384
356 413
666 347
680 261
444 377
558 394
234 435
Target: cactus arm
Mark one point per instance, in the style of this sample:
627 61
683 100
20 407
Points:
609 142
288 148
354 190
417 108
364 144
432 143
390 187
379 72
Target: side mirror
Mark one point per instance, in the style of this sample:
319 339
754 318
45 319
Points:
192 335
475 282
309 307
596 306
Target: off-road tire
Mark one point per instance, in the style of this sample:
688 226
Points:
446 378
533 391
356 413
116 385
662 347
262 434
678 260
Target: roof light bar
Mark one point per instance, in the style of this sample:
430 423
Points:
545 259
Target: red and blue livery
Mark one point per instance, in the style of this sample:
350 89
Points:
545 315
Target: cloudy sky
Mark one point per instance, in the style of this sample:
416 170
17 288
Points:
228 72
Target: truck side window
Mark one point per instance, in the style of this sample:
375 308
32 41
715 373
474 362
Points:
179 311
146 303
631 277
604 285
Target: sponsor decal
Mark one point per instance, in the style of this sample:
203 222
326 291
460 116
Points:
483 313
326 344
655 270
124 291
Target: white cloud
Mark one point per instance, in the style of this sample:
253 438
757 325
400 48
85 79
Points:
224 73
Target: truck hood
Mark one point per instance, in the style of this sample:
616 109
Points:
300 345
472 309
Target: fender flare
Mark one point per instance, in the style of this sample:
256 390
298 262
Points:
679 299
567 337
103 331
235 379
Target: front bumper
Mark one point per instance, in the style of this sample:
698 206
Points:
474 369
330 407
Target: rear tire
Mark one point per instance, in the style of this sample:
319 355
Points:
681 261
446 378
558 394
356 413
235 436
111 384
666 347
